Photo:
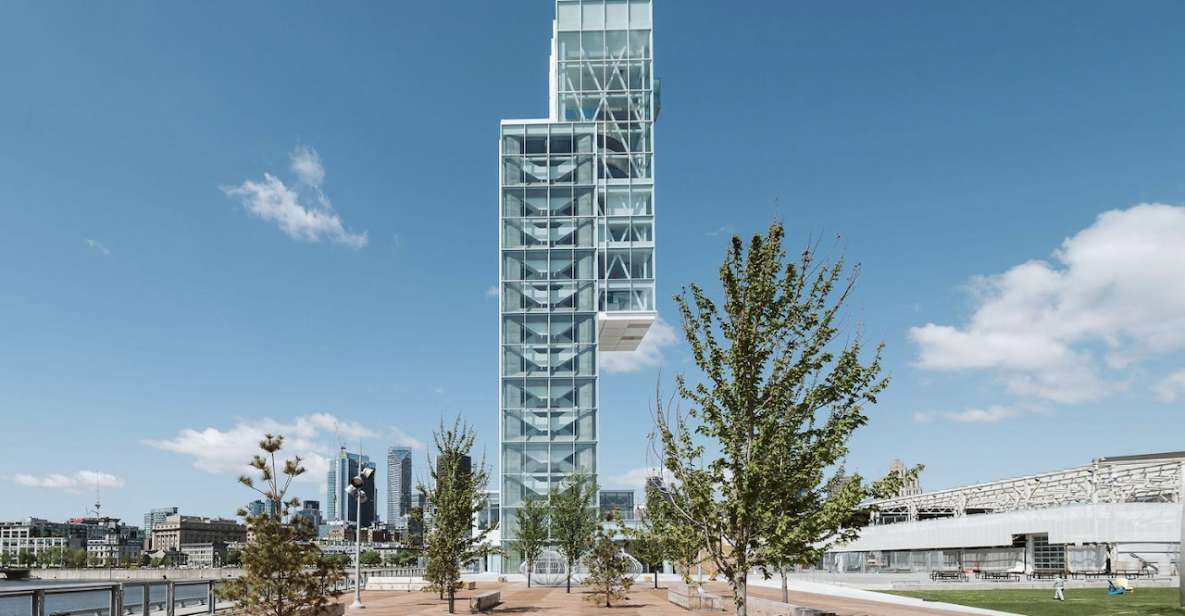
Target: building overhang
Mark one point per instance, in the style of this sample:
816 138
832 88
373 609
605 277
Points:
623 331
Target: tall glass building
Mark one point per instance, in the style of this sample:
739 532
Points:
398 485
577 243
339 505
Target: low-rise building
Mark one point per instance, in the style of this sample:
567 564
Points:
204 555
1114 514
178 530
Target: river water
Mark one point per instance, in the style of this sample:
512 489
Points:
22 606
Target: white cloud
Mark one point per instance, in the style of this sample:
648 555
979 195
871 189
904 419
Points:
725 230
647 355
289 207
97 247
635 478
1063 331
306 164
76 482
990 415
226 452
492 292
1171 388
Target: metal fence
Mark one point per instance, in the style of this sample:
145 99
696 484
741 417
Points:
122 603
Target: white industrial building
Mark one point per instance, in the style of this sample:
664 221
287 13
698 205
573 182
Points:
1119 514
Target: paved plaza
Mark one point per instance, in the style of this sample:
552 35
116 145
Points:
642 601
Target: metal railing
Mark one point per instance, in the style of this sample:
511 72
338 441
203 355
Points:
116 595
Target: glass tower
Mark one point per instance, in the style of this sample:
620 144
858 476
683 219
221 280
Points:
398 485
577 243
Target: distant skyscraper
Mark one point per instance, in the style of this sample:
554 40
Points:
576 243
398 484
310 509
339 505
261 507
154 517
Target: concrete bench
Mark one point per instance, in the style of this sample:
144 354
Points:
485 601
404 584
692 599
767 607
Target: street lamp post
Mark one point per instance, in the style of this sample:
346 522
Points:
355 490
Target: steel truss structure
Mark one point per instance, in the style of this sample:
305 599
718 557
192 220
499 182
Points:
1153 478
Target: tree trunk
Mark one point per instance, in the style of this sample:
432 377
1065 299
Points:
569 577
785 587
741 594
656 576
452 591
529 567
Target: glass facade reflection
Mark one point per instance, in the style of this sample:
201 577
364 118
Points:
577 243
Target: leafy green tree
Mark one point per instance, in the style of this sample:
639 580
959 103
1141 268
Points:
52 557
370 558
648 543
26 558
608 567
771 418
457 494
573 519
284 573
76 558
531 532
233 558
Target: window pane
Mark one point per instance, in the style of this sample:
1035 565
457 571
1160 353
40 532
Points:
617 14
593 45
639 14
568 15
569 45
594 15
617 43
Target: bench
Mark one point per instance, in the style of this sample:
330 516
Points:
485 601
767 607
999 576
1048 574
948 576
692 599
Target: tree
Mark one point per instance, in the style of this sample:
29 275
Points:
25 557
573 519
531 532
772 416
284 573
608 567
52 557
457 493
648 544
370 558
233 558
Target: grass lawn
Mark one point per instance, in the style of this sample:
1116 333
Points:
1079 601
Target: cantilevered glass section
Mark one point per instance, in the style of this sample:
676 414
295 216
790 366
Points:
577 243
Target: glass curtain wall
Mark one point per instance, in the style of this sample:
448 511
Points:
577 238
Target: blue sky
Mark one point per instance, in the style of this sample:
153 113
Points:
963 153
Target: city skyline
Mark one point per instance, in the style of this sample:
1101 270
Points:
162 312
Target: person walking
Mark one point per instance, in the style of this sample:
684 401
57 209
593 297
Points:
1059 585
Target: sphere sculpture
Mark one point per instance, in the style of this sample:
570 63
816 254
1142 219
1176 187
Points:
549 570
